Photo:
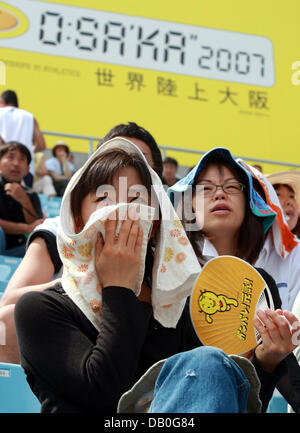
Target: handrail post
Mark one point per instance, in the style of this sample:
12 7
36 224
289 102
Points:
91 150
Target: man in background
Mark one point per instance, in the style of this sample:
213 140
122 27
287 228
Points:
20 125
170 167
20 208
60 168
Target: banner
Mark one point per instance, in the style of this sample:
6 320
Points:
198 75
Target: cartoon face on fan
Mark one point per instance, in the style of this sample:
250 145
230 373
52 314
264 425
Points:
210 303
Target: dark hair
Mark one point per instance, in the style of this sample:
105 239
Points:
258 167
10 98
278 185
169 160
296 229
15 145
101 171
135 131
60 145
251 234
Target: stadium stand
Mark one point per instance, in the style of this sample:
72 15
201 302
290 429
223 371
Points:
277 404
50 206
16 395
8 265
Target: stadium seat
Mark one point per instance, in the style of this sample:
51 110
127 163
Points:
53 206
15 393
8 265
44 202
277 404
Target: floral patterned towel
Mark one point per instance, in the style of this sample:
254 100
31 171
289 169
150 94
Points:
175 264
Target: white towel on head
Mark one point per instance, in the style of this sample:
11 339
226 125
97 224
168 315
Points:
284 240
175 266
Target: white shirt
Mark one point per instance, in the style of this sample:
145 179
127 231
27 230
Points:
17 125
50 224
285 272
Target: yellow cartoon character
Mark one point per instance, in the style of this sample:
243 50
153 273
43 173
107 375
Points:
210 303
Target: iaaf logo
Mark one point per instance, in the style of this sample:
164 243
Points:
296 75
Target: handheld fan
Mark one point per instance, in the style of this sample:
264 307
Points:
224 301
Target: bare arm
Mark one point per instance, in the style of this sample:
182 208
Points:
38 138
66 169
42 170
35 268
12 228
13 295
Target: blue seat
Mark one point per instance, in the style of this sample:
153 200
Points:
53 206
15 393
44 202
8 265
277 404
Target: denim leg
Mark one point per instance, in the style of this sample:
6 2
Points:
202 380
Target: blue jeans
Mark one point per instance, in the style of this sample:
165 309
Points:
12 252
202 380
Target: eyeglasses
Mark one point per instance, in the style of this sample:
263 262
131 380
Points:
207 189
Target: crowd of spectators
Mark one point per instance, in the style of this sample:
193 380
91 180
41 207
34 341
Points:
25 172
99 367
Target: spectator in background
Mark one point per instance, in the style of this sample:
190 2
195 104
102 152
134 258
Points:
71 158
258 167
42 262
170 167
20 125
42 182
287 187
20 209
142 139
60 168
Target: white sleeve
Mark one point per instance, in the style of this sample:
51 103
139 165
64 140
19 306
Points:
50 224
294 281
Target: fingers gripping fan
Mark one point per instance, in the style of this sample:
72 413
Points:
224 301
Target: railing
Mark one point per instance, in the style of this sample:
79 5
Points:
78 137
165 149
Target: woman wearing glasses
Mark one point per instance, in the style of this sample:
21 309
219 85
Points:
230 218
